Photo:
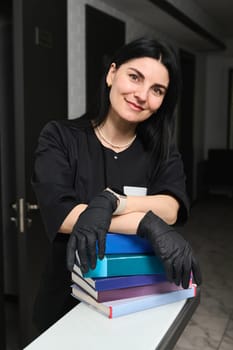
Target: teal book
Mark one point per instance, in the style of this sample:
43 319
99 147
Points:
127 306
125 265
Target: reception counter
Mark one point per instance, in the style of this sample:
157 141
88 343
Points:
84 328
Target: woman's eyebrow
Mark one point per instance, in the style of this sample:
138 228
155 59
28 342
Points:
137 71
161 86
143 77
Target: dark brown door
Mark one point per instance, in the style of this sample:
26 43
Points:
40 94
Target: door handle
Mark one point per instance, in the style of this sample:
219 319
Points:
21 209
32 207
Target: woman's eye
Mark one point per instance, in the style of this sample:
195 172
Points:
133 76
158 91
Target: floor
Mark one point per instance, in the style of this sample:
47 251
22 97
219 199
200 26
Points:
12 336
210 231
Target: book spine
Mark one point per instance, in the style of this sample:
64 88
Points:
131 292
127 306
126 264
109 283
143 303
117 243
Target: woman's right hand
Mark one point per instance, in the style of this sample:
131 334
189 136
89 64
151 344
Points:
90 229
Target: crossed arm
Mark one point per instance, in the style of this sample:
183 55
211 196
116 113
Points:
165 206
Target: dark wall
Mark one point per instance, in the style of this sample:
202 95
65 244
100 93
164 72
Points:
104 35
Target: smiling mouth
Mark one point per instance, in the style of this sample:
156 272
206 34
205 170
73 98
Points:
135 106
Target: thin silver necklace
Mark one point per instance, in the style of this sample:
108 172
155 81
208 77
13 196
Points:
112 144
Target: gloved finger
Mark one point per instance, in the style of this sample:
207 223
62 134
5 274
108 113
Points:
101 244
187 266
70 252
168 270
82 252
196 271
177 271
91 249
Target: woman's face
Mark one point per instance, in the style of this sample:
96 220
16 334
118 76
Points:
138 88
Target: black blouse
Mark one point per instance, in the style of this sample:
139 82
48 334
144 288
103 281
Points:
71 167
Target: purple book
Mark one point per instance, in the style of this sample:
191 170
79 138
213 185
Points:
131 292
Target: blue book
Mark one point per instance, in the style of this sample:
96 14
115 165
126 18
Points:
127 306
126 264
117 243
109 283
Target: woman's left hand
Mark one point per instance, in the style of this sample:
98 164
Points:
91 228
175 252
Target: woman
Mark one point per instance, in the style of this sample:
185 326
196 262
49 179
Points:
126 140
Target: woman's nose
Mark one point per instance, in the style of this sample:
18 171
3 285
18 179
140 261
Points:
141 93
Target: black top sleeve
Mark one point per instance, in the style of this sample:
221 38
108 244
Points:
170 179
53 178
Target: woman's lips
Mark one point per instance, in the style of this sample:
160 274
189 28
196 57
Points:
135 106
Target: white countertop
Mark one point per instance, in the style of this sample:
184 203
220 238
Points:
84 328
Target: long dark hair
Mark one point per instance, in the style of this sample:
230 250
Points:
157 131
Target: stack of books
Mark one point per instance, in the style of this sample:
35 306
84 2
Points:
130 278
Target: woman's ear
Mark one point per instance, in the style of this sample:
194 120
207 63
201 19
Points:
111 74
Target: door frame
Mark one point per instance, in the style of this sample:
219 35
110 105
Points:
23 284
2 303
230 110
186 106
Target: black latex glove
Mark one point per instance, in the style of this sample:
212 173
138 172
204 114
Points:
91 227
174 251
